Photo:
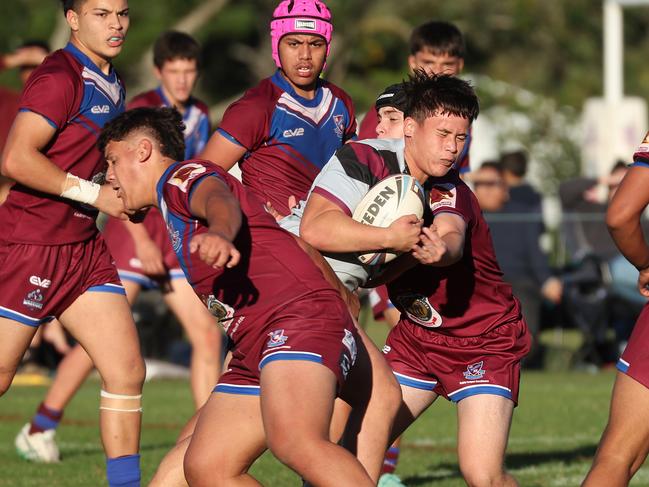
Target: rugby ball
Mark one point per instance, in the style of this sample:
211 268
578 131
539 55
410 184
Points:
388 200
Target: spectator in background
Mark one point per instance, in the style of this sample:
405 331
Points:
25 58
599 277
518 250
521 194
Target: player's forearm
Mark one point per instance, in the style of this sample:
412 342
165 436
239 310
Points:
454 249
629 238
31 168
333 231
223 216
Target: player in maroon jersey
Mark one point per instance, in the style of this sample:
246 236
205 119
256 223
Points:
53 261
285 129
623 447
294 341
461 334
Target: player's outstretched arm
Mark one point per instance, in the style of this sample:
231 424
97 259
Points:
623 221
213 202
327 228
222 151
441 244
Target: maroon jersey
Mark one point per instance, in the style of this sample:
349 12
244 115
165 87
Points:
468 298
273 270
287 137
77 99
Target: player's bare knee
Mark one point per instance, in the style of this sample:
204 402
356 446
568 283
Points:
5 381
126 378
208 467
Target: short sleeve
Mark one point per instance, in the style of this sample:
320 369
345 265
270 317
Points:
641 155
334 184
247 122
53 94
451 198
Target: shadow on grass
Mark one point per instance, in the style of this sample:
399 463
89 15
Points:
73 452
515 461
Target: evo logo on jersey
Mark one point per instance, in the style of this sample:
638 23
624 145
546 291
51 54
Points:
100 109
37 281
474 371
298 132
419 310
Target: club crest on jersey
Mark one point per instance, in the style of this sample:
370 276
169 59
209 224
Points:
185 174
419 310
339 123
34 299
442 195
276 339
221 311
474 371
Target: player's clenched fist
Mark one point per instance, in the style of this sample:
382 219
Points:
215 250
431 248
108 202
403 233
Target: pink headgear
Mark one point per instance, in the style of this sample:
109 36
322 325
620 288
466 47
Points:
300 16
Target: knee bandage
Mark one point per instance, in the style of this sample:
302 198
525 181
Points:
120 403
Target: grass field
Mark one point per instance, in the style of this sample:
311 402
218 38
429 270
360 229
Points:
554 436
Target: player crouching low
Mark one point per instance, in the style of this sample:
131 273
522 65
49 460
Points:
294 340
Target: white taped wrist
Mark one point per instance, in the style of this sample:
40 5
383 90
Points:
80 190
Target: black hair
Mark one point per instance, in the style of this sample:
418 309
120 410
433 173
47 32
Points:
393 96
175 45
70 5
515 162
164 124
430 95
439 38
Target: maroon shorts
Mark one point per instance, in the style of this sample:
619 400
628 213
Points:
315 329
634 362
39 282
458 367
380 302
122 247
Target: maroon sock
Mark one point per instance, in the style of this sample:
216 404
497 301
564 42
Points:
390 460
45 419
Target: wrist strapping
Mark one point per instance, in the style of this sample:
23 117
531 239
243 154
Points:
80 190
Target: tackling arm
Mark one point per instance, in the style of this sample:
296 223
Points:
327 228
442 244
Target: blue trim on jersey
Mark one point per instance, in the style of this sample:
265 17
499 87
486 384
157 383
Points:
622 366
46 119
424 385
283 84
23 319
237 389
87 62
107 288
465 392
639 164
305 356
229 137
